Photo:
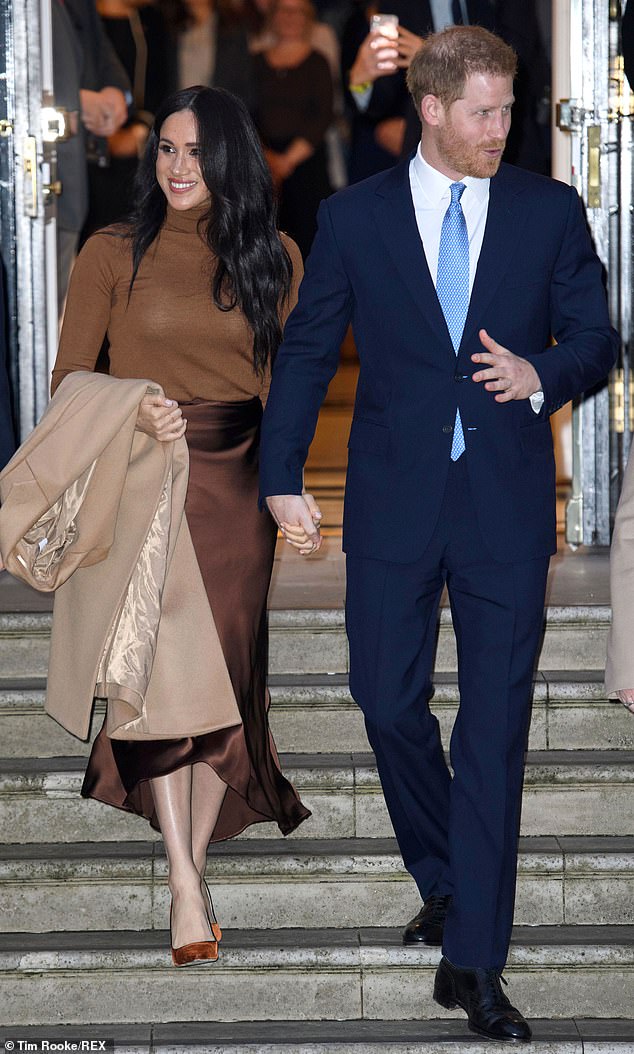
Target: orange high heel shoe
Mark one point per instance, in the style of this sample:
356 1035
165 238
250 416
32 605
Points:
211 914
195 953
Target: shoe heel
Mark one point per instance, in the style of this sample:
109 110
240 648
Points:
448 1004
444 994
211 914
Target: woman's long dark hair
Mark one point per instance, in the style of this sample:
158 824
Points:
254 270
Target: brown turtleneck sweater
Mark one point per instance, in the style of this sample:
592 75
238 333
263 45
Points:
170 332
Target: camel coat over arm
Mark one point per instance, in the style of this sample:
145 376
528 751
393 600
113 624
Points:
619 672
94 509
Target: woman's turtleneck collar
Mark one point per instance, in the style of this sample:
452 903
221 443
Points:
185 221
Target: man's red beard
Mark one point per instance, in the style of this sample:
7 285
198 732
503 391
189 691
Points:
468 158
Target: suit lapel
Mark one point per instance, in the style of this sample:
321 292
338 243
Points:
502 234
396 222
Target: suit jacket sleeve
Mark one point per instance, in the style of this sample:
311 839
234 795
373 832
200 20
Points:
305 364
582 356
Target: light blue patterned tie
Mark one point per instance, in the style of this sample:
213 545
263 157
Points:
452 285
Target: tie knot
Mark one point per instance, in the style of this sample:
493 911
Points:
456 192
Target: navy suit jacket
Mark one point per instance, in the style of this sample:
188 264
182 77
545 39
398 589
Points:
537 276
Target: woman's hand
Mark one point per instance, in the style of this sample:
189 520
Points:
129 141
297 535
626 696
161 418
389 134
277 167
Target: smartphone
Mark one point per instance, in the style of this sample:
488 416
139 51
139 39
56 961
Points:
385 26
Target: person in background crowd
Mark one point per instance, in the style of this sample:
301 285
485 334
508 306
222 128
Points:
293 112
627 41
334 13
208 281
526 27
7 436
89 82
212 45
323 39
142 42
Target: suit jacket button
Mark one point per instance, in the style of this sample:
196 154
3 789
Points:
447 428
458 377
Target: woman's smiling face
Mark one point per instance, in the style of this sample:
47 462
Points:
178 171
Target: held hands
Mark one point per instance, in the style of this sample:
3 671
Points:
626 696
161 418
298 517
508 374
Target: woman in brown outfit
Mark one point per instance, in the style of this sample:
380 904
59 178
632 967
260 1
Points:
192 294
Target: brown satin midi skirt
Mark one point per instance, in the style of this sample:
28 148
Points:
235 545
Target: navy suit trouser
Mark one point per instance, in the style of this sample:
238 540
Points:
458 834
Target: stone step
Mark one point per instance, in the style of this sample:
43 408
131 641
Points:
314 714
293 884
77 978
566 793
314 641
438 1036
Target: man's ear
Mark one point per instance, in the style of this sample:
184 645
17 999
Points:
432 110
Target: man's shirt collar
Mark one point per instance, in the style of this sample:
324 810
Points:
435 186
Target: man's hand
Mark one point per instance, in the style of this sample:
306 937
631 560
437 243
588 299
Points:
626 696
508 374
298 517
161 418
103 112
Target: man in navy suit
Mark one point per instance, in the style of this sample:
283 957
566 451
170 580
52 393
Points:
455 271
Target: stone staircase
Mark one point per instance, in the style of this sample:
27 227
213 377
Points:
312 960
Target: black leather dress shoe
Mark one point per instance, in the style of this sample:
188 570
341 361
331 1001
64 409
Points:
480 995
428 925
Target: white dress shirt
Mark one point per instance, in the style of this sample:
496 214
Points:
431 196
